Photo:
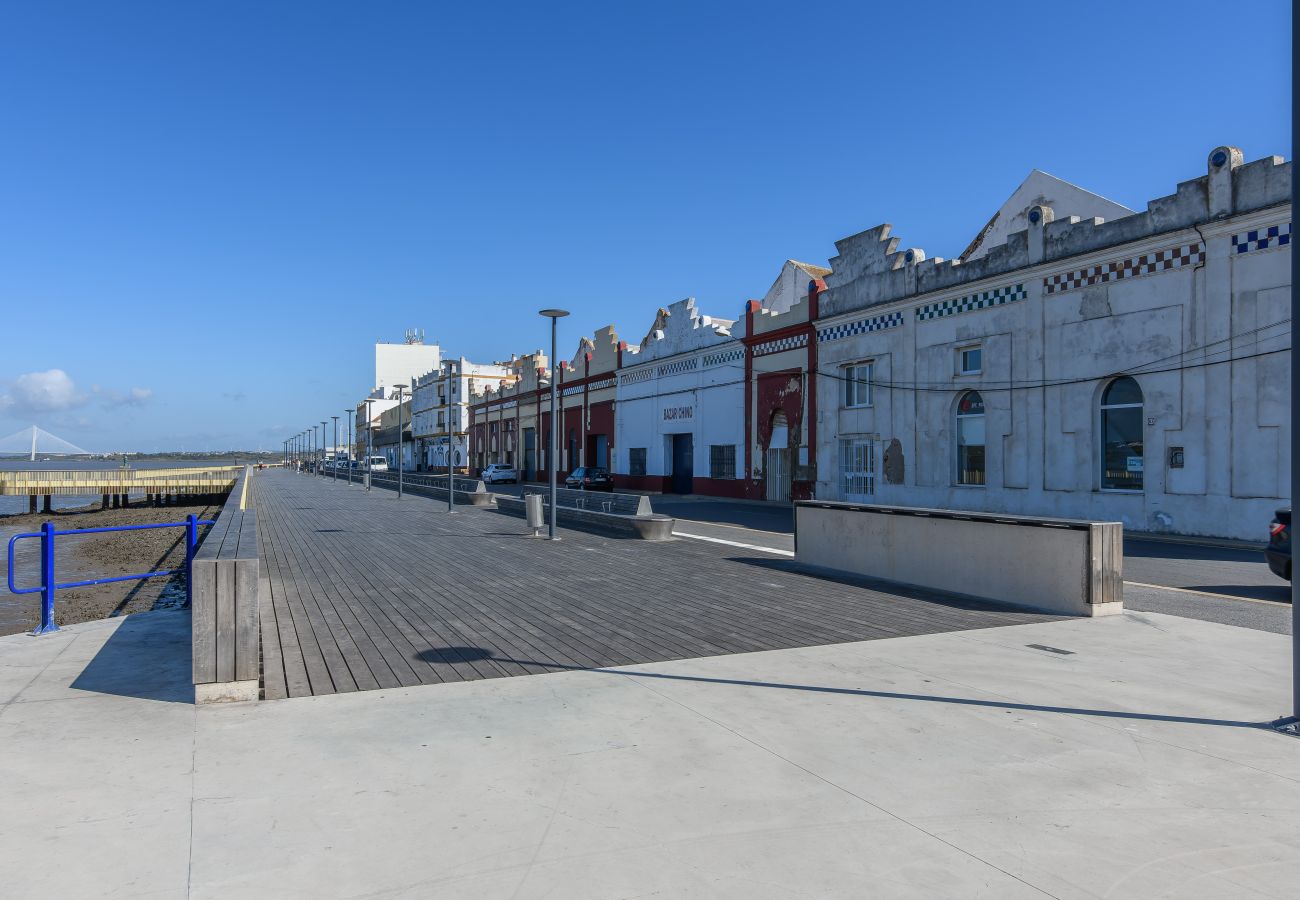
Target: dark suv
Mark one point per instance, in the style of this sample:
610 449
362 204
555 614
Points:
590 478
1278 551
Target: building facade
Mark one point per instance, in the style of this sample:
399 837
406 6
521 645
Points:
1127 369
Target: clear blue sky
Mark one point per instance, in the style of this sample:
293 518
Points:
210 210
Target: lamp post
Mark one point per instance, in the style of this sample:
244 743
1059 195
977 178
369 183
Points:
336 448
352 445
370 431
450 482
553 315
324 436
400 388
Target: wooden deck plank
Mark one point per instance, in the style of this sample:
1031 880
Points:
395 593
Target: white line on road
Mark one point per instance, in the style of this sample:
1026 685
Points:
1178 590
713 540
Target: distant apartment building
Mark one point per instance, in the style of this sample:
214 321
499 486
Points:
441 425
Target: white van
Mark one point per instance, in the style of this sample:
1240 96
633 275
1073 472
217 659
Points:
378 464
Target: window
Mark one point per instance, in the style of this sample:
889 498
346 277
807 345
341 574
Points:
1121 436
970 360
857 468
970 439
722 461
857 384
636 461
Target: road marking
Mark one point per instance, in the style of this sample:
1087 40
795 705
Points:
1178 590
713 540
740 527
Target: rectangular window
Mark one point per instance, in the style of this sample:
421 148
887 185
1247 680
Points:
636 461
722 461
857 384
970 360
857 468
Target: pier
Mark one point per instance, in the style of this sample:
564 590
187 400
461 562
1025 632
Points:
115 486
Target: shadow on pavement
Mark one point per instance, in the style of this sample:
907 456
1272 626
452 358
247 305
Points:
148 656
482 653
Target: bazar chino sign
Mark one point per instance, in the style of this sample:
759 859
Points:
679 413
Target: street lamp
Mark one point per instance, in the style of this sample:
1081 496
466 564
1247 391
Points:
450 482
553 315
324 436
370 431
400 389
336 448
352 445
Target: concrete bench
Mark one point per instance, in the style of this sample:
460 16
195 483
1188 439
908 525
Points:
470 491
625 513
1067 566
225 615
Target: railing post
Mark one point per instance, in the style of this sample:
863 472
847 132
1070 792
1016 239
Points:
191 541
47 580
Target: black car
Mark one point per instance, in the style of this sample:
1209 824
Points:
1278 551
590 478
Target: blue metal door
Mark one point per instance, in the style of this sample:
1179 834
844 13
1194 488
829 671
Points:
683 463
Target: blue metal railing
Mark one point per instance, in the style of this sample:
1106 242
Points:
48 585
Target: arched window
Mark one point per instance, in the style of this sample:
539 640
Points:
970 439
1121 436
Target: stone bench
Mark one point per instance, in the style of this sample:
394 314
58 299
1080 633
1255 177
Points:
1067 566
594 510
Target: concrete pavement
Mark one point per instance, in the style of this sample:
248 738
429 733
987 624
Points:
980 763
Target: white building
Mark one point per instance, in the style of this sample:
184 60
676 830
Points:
1122 370
680 407
437 424
402 364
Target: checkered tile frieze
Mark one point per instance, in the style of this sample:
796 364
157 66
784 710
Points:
677 368
638 376
862 326
1262 238
570 391
794 342
599 385
720 359
1146 264
982 300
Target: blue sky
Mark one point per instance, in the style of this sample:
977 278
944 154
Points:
210 211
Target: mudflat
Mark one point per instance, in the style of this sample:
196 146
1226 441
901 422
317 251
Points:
81 557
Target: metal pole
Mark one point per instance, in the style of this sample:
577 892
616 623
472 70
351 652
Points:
399 442
370 449
450 482
47 580
324 435
191 541
352 446
1295 478
336 448
555 431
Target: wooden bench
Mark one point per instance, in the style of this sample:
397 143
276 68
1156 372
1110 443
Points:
226 631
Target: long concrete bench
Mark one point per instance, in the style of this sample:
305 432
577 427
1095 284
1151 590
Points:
226 627
1065 566
624 513
470 491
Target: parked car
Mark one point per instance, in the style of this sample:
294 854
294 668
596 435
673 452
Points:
590 478
1278 551
495 473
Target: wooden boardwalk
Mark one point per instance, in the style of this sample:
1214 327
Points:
363 591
